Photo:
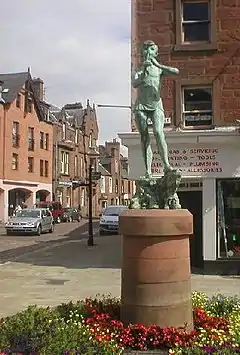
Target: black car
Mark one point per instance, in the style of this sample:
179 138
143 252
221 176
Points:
71 214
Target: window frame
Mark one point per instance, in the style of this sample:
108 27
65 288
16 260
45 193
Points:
196 45
196 83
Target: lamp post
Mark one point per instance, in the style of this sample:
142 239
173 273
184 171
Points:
90 241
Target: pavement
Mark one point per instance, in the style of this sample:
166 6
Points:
62 267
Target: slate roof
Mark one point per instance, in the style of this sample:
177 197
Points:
14 82
103 171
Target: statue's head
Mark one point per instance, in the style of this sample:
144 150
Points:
149 50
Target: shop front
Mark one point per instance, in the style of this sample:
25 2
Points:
210 189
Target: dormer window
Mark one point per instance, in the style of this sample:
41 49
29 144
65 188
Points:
1 90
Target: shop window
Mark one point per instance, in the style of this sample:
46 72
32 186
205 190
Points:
195 24
228 218
197 106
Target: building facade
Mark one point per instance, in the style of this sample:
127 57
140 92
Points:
202 106
26 161
119 189
74 150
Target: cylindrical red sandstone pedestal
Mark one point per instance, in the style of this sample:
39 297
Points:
156 284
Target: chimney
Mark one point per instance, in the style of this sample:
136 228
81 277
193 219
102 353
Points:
38 86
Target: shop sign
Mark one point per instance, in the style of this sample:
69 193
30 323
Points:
192 161
65 183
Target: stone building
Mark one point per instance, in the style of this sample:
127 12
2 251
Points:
74 149
201 38
119 189
26 136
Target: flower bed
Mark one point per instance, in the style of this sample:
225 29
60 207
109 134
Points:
93 327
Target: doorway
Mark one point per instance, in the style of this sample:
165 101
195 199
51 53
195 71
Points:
192 201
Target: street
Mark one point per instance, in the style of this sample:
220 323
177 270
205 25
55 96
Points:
14 246
60 267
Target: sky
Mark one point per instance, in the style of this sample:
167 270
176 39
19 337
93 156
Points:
80 48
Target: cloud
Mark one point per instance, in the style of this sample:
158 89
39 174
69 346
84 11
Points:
81 49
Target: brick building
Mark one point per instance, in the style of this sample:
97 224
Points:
118 189
26 162
75 148
201 38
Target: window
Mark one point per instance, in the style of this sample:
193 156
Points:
46 145
102 185
15 134
46 170
30 164
90 141
195 24
41 140
116 186
31 138
228 218
81 167
29 105
14 161
76 136
64 131
110 185
76 165
41 167
68 200
129 186
82 197
197 106
195 21
64 163
18 101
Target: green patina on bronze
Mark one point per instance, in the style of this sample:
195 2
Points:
147 79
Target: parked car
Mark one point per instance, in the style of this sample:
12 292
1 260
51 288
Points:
71 214
109 221
32 221
55 207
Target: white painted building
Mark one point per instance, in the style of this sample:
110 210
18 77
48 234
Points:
210 189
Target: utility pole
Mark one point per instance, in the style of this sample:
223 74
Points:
90 241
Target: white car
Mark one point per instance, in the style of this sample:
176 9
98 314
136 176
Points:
109 221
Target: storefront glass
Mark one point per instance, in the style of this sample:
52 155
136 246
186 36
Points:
228 218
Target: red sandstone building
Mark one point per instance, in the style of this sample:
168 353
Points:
202 106
26 161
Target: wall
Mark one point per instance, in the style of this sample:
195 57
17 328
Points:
14 113
155 20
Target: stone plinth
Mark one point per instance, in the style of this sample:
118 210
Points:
156 286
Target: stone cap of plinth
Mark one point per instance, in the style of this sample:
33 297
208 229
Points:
156 222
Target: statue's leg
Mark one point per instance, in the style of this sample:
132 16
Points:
158 124
142 126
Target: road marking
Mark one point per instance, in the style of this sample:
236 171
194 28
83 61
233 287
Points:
95 231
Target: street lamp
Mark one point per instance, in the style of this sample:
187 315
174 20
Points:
92 176
90 241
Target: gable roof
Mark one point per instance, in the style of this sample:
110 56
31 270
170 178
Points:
12 82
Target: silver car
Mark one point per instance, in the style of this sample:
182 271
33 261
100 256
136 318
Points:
33 221
109 221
